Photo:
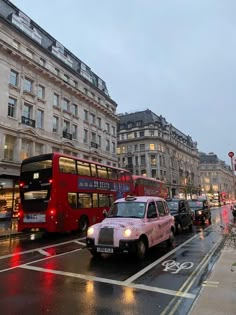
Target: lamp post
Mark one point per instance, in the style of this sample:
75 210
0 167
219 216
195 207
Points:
231 155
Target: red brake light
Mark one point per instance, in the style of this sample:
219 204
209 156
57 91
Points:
52 211
22 184
50 181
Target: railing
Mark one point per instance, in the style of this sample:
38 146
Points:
27 121
67 135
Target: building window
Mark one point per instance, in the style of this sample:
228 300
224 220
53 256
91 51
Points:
113 131
151 146
99 141
65 105
28 85
99 120
12 107
27 111
85 136
141 134
55 124
108 128
74 132
139 123
92 118
136 160
41 91
142 147
93 137
39 119
10 144
129 125
108 145
113 147
143 159
85 115
153 159
151 133
14 77
135 147
74 109
55 100
26 148
66 126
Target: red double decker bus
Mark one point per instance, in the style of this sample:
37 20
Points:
145 186
60 193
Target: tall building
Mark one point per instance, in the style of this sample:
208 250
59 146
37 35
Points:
216 176
148 145
50 101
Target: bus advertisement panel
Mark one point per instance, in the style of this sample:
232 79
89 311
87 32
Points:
144 186
60 193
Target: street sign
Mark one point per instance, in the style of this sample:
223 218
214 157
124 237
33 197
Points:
231 154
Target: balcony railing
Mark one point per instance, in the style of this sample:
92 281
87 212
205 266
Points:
67 135
94 145
27 121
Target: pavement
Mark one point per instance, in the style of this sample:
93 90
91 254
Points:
218 293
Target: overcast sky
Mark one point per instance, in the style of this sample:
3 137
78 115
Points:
175 57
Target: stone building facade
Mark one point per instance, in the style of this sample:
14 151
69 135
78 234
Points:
149 145
50 101
216 176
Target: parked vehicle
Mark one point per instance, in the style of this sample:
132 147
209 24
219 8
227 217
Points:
233 208
182 213
201 210
132 225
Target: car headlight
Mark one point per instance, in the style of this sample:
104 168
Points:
127 232
90 231
199 212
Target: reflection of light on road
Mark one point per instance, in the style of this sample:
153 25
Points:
225 215
128 295
201 234
89 287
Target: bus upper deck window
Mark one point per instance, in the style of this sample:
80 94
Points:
67 165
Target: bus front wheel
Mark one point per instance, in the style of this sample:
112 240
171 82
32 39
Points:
83 223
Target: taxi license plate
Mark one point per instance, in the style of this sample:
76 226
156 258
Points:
31 218
105 250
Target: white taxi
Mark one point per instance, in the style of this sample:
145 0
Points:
132 225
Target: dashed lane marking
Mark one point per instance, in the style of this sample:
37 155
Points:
211 284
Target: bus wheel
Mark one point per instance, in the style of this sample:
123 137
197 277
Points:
83 223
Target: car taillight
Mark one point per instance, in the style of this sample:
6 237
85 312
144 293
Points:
21 184
50 181
52 212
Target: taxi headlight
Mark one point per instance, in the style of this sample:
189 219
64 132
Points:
90 231
127 232
200 212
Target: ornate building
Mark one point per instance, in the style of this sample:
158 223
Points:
216 176
50 101
149 145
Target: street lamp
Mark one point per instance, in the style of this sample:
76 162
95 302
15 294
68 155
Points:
231 155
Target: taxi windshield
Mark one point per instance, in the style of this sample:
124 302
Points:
127 210
195 204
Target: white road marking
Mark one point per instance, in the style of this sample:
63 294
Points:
42 248
80 243
109 281
44 252
149 267
211 284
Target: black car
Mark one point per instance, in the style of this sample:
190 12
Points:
181 211
201 210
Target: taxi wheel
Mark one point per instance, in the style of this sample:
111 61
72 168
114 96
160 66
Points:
141 249
83 223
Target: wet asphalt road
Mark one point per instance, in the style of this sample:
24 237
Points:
57 275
